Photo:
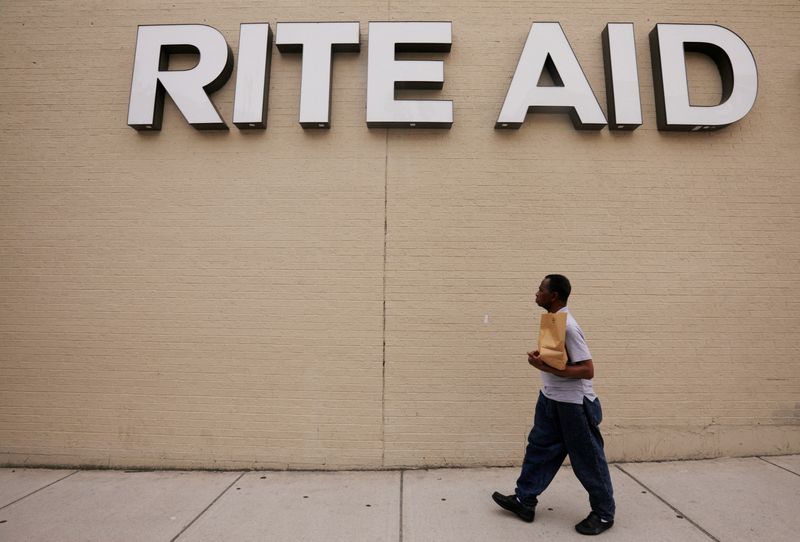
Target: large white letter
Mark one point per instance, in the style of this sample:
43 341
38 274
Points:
385 74
622 79
736 65
547 47
189 89
317 42
252 76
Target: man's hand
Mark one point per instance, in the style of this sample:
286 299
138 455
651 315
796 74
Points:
536 361
582 369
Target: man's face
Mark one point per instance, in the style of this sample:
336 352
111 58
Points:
544 297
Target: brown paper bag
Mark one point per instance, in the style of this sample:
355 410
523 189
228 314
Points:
552 339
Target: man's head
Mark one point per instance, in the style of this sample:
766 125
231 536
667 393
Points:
553 292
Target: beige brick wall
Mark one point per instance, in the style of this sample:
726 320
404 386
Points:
222 300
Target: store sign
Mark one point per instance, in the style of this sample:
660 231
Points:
546 48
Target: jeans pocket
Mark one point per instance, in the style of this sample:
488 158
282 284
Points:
593 411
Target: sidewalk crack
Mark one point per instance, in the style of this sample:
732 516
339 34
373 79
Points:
38 490
776 465
402 476
207 508
660 498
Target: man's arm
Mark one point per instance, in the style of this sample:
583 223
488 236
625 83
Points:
581 369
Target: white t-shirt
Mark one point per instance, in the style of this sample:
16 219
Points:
570 390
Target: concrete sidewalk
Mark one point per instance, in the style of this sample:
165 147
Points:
724 499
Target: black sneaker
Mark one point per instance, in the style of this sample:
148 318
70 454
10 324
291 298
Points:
593 525
510 503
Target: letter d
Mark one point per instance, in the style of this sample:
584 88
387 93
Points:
734 60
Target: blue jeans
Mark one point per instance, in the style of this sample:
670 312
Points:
561 429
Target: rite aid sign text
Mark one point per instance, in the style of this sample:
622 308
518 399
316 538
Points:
546 48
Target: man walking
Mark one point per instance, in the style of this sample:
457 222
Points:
565 423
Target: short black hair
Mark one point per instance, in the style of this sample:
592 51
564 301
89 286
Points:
560 285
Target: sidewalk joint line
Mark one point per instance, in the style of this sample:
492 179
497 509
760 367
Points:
776 465
402 476
40 489
660 498
207 508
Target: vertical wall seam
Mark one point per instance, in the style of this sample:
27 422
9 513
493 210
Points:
385 233
383 355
